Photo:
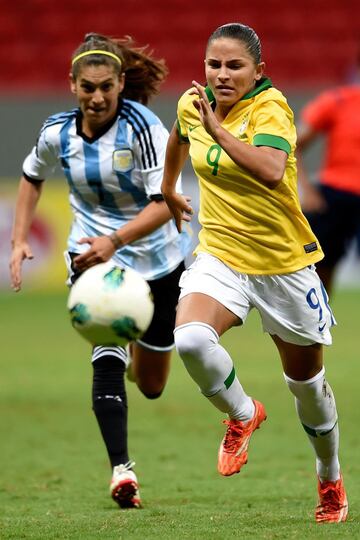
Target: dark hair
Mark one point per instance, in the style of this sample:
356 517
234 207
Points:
241 32
143 74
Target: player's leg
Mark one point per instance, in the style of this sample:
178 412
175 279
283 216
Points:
295 311
315 404
150 369
150 356
202 317
110 407
109 403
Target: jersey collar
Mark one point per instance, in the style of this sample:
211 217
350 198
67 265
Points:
260 86
101 131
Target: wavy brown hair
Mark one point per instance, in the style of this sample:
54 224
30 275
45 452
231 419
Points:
143 73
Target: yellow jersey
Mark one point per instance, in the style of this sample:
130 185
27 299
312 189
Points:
251 227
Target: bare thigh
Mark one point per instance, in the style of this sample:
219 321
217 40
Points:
299 362
199 307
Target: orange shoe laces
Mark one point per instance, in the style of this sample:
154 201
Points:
233 432
330 497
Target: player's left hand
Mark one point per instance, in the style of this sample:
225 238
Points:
101 250
207 116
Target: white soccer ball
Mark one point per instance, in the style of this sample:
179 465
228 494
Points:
110 305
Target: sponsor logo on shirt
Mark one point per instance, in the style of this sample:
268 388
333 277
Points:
191 128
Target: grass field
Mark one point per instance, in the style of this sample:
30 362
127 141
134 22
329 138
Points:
54 470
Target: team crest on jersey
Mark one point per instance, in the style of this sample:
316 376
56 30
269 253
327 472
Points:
243 126
123 160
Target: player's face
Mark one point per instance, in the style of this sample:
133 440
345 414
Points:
230 70
97 89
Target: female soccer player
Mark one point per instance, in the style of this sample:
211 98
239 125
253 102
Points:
111 150
256 250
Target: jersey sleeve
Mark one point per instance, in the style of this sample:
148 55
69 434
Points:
187 116
274 126
150 154
42 160
182 125
319 113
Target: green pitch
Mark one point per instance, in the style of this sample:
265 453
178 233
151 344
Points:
54 470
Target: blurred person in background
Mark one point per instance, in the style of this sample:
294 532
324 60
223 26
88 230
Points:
112 150
332 205
256 250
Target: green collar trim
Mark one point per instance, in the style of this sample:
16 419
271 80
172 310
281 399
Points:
261 85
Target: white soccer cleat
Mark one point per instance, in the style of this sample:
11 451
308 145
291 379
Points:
124 487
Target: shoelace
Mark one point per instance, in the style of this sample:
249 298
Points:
125 467
233 432
330 498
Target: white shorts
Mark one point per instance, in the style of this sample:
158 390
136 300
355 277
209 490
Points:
292 306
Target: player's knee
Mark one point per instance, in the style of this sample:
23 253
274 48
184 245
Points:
151 385
193 340
151 394
313 388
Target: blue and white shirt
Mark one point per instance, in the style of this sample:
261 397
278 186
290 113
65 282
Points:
111 178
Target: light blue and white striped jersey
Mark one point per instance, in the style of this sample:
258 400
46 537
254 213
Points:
111 178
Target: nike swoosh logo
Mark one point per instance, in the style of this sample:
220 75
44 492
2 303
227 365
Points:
321 328
191 128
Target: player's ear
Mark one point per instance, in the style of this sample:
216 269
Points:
121 82
260 68
72 83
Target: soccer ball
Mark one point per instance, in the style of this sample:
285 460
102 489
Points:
110 305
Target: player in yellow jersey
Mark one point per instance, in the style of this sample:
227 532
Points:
256 250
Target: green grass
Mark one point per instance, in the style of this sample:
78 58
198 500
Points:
54 470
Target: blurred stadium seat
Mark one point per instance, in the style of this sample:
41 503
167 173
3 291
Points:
303 42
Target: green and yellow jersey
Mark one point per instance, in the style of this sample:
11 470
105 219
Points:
251 227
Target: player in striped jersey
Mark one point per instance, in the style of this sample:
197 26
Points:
111 150
256 250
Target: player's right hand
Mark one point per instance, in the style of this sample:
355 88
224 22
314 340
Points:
19 253
179 207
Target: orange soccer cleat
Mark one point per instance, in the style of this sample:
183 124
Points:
233 448
333 505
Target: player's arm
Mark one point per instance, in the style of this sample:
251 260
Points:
311 199
102 248
177 153
27 199
266 163
153 216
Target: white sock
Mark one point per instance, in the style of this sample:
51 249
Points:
211 367
316 408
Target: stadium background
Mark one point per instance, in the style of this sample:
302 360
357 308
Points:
54 476
306 48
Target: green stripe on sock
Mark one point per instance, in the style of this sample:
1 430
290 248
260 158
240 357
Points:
228 382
